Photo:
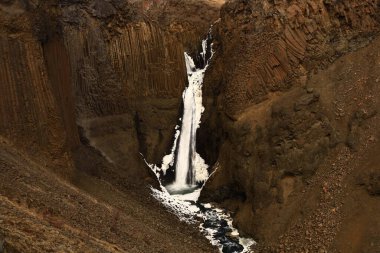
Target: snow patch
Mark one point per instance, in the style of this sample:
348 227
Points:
168 160
200 167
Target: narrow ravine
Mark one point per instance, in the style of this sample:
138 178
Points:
181 196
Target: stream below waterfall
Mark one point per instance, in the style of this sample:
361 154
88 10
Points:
181 196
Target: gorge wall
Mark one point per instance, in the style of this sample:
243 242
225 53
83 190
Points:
79 75
86 86
188 20
103 79
31 111
283 108
290 127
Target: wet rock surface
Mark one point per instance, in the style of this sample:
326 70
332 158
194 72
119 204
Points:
229 244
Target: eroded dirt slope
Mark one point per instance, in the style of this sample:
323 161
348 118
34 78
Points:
40 212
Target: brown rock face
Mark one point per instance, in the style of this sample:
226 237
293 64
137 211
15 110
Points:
86 86
275 121
266 45
188 20
94 66
32 103
133 82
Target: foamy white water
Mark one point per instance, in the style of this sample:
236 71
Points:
190 167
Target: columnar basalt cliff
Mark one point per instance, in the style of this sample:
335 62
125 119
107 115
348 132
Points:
32 104
275 123
174 17
102 64
98 64
86 86
266 46
133 82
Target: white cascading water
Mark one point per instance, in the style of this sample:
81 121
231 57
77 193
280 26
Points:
183 175
190 167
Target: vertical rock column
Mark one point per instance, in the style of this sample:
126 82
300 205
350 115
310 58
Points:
29 116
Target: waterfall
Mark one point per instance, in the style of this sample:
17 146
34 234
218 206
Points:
181 197
190 167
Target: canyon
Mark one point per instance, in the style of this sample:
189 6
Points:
290 131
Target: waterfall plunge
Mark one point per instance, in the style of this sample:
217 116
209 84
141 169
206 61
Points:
180 197
190 167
